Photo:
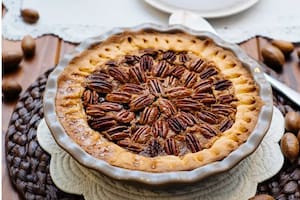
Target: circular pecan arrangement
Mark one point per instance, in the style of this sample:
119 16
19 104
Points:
159 102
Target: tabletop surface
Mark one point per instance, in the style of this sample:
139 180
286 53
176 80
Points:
50 49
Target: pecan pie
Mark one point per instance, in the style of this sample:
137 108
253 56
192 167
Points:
157 102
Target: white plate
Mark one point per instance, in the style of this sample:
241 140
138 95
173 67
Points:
205 8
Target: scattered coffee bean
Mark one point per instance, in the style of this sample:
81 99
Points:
11 89
262 197
30 16
290 146
11 60
28 46
292 121
285 46
273 57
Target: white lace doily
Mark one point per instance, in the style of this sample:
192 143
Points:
239 183
76 21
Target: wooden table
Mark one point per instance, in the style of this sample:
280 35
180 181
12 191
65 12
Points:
50 50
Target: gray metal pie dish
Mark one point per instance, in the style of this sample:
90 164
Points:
164 178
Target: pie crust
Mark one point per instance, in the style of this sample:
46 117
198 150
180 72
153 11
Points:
73 82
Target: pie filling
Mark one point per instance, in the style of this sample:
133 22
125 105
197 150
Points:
156 102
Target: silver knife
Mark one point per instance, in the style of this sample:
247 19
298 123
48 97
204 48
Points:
197 22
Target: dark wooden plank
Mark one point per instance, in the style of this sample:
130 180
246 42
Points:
30 69
250 47
290 73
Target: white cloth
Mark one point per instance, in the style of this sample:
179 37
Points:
75 20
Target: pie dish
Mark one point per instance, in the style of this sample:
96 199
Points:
157 100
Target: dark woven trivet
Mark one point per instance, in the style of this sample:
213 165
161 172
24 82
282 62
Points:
28 164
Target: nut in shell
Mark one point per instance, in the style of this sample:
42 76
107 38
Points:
292 121
11 89
290 146
30 15
28 46
273 57
11 60
285 46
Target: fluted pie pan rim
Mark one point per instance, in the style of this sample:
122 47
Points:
161 178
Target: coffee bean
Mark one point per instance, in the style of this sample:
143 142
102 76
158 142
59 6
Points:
295 175
11 89
290 187
290 146
262 197
11 60
273 57
30 16
285 46
28 46
292 121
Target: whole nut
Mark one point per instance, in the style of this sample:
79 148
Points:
11 60
290 146
285 46
11 89
292 121
273 57
28 45
30 16
262 197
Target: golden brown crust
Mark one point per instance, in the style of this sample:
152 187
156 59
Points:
71 114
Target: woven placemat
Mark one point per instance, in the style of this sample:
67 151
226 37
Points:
28 164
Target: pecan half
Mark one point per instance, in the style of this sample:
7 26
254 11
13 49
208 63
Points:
198 65
226 124
155 87
138 74
142 134
222 84
154 148
207 116
141 101
188 118
98 75
204 98
118 74
208 131
177 71
208 72
109 106
171 147
149 115
99 85
118 97
90 97
177 124
161 69
166 107
125 116
102 123
94 110
169 56
132 88
117 133
171 81
226 98
189 79
131 59
203 86
178 92
111 63
130 145
222 109
160 128
183 57
150 52
146 62
187 104
192 143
